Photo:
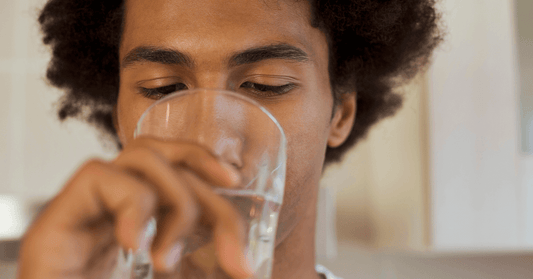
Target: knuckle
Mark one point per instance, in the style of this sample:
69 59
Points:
143 153
145 199
92 168
156 145
187 218
187 210
194 151
94 164
192 213
140 154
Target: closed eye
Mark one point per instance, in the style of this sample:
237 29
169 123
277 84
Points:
159 92
268 90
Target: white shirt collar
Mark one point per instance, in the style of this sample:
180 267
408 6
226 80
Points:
322 270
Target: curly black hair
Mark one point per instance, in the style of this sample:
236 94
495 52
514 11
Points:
373 44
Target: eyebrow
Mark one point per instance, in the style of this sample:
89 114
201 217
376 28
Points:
279 51
157 55
249 56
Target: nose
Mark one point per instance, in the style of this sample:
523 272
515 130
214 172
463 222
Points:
217 123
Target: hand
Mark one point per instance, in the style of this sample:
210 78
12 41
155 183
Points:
106 205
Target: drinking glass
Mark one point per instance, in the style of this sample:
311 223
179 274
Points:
240 132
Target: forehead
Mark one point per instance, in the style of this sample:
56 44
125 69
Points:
209 23
229 11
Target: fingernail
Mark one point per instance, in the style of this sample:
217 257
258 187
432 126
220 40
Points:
249 261
173 256
144 241
233 174
128 257
126 254
146 237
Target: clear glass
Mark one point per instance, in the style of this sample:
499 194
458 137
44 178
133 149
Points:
241 132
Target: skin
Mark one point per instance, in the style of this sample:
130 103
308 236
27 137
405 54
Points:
173 179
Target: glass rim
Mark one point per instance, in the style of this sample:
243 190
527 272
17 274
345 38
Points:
227 92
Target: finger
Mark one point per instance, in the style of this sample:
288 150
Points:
68 223
167 248
228 229
106 188
196 157
98 189
177 211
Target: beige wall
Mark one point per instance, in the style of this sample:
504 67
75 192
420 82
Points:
381 185
524 25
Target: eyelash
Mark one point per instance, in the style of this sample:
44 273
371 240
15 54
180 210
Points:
260 89
160 92
268 90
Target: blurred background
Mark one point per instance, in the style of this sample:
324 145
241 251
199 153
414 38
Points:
442 190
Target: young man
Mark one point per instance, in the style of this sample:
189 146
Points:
324 69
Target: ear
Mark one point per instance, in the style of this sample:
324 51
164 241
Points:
343 120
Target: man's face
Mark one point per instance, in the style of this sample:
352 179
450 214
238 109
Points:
210 33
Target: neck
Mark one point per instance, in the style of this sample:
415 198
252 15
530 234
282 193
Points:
295 256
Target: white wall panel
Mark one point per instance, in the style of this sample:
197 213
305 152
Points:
5 139
474 129
42 153
52 150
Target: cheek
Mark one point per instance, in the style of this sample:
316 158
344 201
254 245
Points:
307 138
307 132
129 109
